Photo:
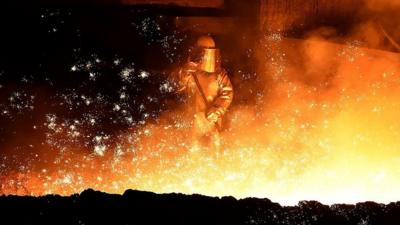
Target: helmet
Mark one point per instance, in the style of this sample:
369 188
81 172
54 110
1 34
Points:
206 42
206 55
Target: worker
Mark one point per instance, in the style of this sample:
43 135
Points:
208 90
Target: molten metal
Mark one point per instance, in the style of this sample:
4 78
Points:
325 128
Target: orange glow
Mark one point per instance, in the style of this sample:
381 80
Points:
326 128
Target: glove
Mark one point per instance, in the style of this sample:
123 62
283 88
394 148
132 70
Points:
212 116
202 124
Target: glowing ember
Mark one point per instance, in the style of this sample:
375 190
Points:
323 125
325 129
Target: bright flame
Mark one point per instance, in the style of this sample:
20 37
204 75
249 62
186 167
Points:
326 128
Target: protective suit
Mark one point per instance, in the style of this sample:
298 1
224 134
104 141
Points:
209 92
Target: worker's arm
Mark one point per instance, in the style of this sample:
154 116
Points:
181 77
224 98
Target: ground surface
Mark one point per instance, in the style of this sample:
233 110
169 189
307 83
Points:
135 207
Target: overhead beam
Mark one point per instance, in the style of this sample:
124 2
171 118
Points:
184 3
213 4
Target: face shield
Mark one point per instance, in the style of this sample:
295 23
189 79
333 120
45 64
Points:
207 59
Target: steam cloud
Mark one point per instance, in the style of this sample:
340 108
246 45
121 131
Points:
324 126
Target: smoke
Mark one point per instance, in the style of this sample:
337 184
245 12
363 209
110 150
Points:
382 5
323 126
383 13
332 108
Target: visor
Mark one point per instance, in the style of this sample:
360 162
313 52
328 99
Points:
208 59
